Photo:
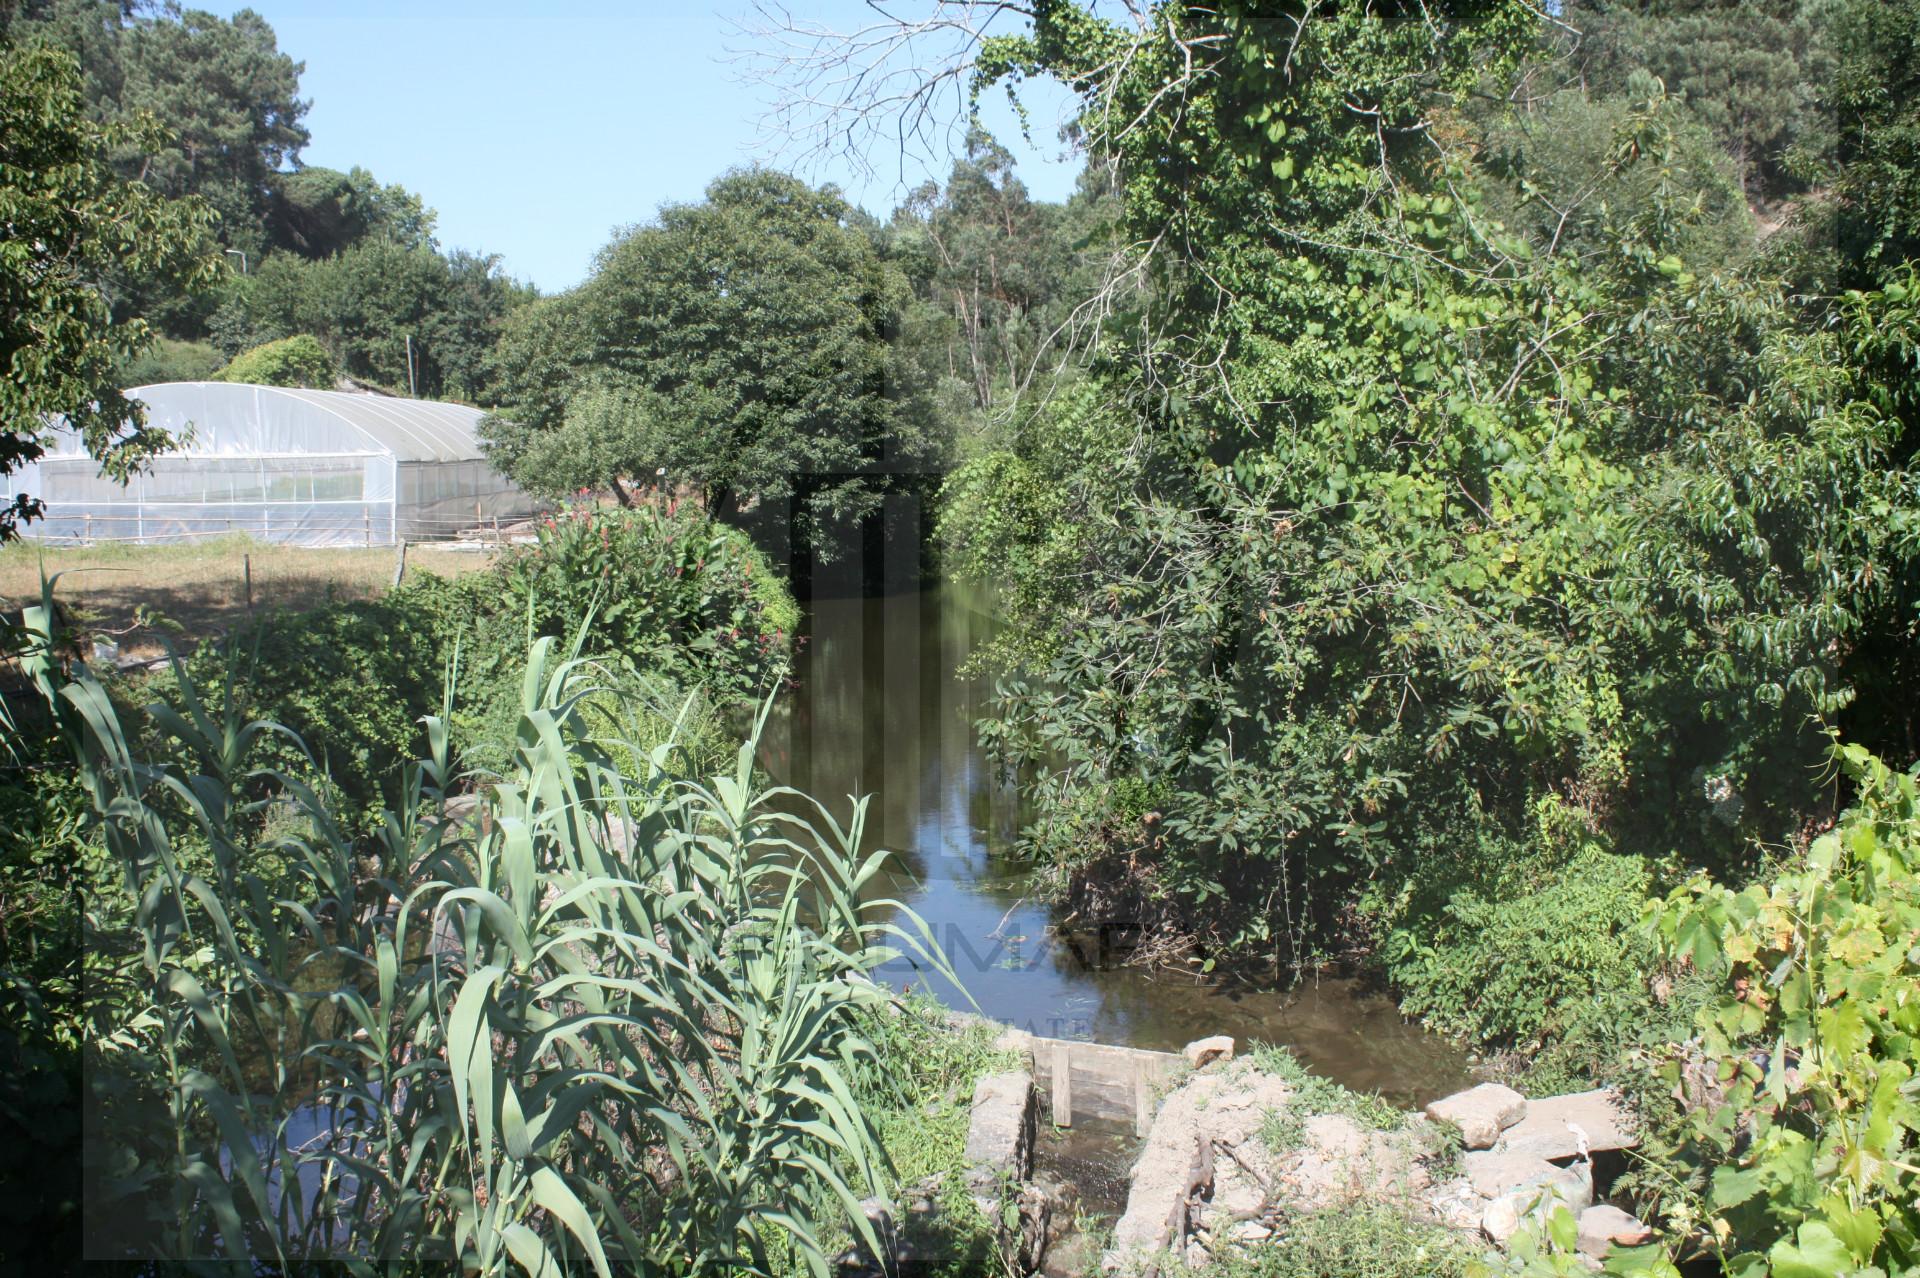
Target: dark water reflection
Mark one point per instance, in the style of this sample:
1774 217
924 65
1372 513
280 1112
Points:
880 712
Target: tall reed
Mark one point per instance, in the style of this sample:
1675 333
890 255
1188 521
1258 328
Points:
584 1018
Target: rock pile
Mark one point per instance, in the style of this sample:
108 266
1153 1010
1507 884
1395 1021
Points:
1525 1157
1205 1178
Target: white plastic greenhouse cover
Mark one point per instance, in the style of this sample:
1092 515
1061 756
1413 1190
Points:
305 466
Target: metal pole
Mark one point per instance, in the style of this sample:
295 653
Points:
410 389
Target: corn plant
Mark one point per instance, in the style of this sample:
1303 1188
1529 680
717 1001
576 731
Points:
581 1019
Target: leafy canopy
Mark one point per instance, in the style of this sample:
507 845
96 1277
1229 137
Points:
71 221
741 343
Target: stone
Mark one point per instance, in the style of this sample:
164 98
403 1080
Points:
1203 1052
1500 1220
1000 1134
1214 1107
1481 1113
857 1262
1494 1172
1572 1126
1569 1187
1604 1226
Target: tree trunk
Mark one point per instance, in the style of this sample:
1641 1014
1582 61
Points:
620 492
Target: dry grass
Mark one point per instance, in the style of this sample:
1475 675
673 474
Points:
199 589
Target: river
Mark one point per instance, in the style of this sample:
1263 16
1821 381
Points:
879 710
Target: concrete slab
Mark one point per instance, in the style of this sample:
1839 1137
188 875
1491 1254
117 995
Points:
1558 1126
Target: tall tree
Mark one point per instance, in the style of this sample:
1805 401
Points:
1751 71
746 337
70 220
1455 522
1000 268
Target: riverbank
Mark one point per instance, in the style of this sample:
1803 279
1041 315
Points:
881 706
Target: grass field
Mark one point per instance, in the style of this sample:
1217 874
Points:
190 591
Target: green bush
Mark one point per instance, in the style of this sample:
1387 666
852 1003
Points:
667 591
352 679
1560 959
169 360
1798 1088
292 361
683 618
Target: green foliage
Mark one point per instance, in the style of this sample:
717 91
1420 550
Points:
1470 465
919 1090
168 360
1874 167
337 255
1313 1095
71 222
1009 516
640 1051
1531 963
291 361
1000 280
317 212
1801 1080
47 875
314 672
683 615
1752 72
1369 1240
741 344
667 590
369 301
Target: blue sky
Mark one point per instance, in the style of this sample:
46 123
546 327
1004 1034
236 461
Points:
535 134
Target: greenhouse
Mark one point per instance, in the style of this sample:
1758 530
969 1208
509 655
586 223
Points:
316 468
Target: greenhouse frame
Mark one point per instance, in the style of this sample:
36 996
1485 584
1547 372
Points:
309 467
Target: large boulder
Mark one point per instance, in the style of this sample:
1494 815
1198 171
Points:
1481 1113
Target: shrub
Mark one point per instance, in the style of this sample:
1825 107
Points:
1799 1090
353 680
635 1053
1559 961
667 591
682 617
292 361
170 360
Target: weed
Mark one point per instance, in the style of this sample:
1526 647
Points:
1314 1095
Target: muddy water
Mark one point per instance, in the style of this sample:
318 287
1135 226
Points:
880 711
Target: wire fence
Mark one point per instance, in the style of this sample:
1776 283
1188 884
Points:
318 531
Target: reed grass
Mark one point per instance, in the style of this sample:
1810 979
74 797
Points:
592 1016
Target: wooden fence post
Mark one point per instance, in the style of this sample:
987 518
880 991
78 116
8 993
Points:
1142 1101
